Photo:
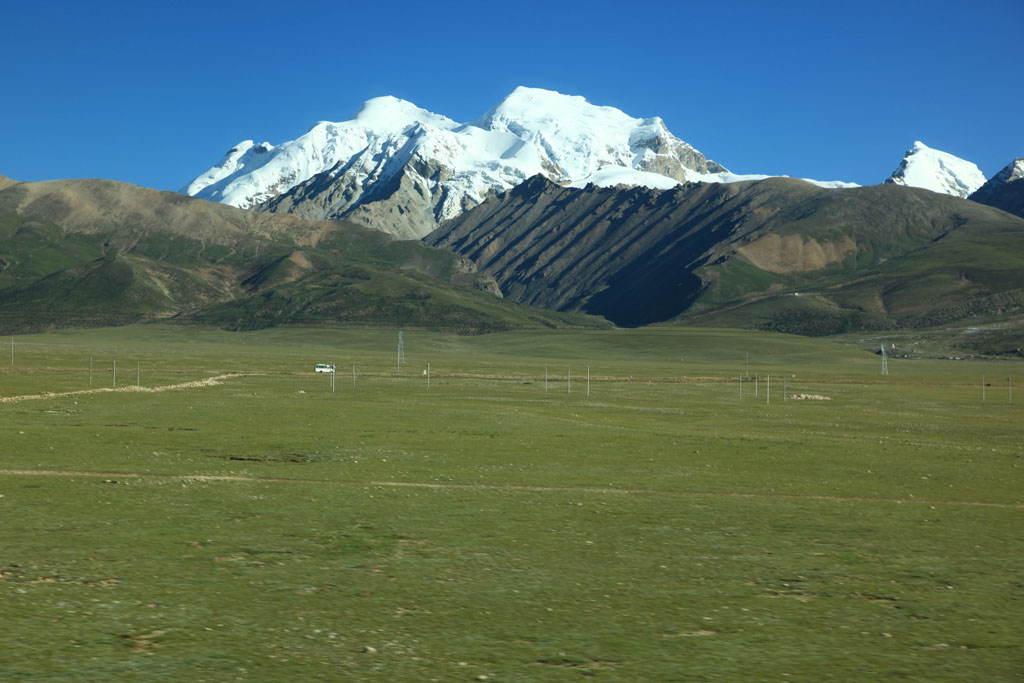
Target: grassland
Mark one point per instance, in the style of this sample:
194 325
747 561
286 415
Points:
661 527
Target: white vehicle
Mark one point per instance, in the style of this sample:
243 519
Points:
323 367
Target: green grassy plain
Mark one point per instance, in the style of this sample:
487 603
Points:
660 528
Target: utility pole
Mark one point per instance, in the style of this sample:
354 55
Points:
401 350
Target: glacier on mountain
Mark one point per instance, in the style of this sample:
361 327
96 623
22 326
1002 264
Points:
406 169
938 171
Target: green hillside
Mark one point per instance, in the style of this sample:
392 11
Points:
970 275
91 252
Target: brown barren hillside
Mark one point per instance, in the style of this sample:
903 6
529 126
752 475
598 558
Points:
95 206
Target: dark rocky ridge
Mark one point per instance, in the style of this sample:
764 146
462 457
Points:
639 256
598 249
1004 190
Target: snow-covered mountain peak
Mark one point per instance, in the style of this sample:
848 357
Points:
246 154
1012 172
540 107
1005 190
580 137
938 171
391 114
405 169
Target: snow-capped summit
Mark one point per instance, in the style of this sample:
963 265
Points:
1004 190
392 115
246 154
251 174
1010 173
937 171
405 169
581 138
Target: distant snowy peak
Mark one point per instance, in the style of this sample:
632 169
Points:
937 171
1010 173
612 176
1005 190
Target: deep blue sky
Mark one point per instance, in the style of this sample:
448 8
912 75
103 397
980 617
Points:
154 93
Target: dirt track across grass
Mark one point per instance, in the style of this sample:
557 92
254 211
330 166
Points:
501 487
195 384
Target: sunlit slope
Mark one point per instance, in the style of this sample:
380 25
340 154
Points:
94 252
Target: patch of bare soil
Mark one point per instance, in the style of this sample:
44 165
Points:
792 254
141 643
196 384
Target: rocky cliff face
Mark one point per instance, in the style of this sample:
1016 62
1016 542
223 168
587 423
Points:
403 206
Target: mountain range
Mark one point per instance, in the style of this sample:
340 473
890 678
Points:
577 214
405 170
